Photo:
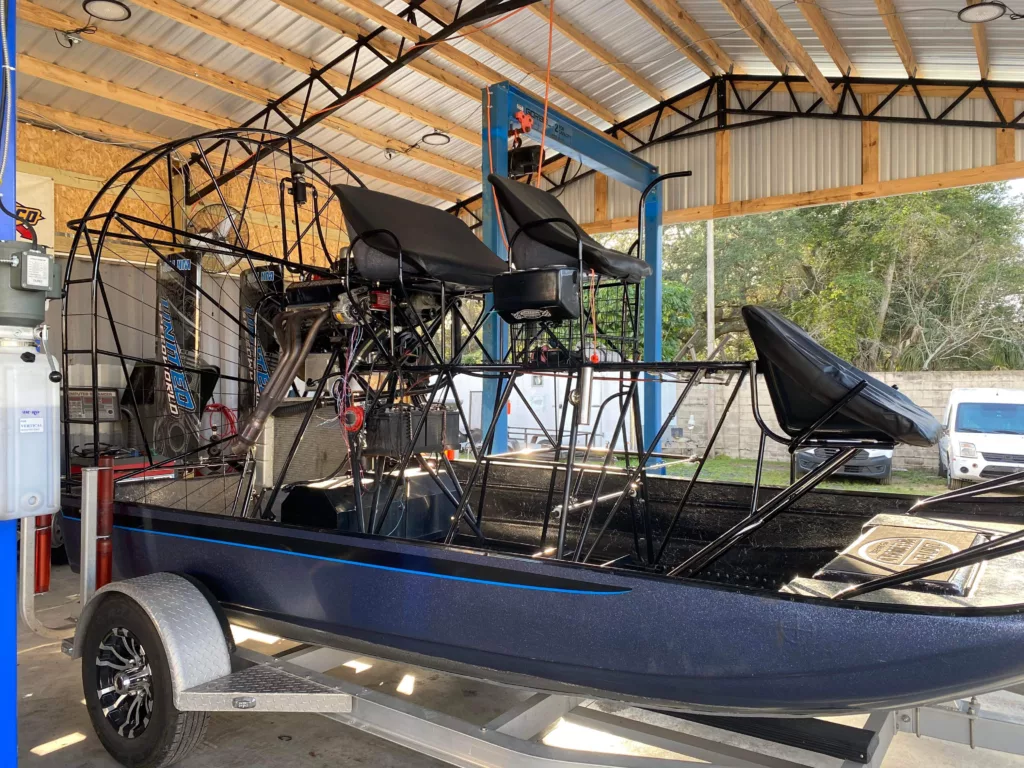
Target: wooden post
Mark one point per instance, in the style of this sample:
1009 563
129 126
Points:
1006 138
870 150
723 167
600 197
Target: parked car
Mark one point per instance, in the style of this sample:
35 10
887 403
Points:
983 435
868 463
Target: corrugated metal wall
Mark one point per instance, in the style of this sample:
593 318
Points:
918 150
792 156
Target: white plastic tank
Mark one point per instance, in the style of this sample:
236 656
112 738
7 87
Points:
29 428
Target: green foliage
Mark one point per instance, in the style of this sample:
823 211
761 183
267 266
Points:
917 282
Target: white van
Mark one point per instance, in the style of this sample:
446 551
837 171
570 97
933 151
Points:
982 436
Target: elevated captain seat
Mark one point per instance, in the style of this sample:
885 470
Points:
555 244
805 381
433 245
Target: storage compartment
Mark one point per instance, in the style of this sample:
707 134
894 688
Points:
537 294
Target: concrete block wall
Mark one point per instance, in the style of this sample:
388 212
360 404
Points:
740 434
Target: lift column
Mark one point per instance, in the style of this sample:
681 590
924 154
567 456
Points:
9 528
595 150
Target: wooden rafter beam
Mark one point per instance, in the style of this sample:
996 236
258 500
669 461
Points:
697 34
44 17
980 45
816 19
41 114
755 32
541 10
769 16
95 86
254 44
410 31
520 62
392 21
666 30
892 22
351 30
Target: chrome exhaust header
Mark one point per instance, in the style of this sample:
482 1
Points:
288 326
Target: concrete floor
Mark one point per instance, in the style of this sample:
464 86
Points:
52 709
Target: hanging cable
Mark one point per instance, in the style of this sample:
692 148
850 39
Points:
547 91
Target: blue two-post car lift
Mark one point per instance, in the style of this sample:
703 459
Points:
597 151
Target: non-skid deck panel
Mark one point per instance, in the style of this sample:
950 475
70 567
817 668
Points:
999 583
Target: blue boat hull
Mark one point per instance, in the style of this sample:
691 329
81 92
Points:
691 646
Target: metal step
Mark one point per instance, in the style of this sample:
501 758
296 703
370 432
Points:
268 687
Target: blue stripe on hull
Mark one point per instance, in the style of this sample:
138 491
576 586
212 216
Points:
510 585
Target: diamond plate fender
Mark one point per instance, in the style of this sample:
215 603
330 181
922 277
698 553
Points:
197 651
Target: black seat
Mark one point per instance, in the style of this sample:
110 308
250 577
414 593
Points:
434 244
550 245
804 380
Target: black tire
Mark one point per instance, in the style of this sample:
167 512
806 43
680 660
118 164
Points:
953 484
168 735
886 479
58 554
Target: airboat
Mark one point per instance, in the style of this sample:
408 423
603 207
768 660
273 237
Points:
349 501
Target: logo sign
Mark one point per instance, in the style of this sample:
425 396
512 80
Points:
27 217
531 314
260 367
179 395
905 551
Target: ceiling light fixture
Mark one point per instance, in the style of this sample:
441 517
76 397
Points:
107 10
436 138
982 13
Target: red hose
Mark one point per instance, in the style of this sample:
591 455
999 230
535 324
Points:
44 532
105 522
227 415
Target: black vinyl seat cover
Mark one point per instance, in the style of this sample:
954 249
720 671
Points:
434 244
804 380
550 245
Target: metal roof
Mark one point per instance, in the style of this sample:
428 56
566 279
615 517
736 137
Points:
943 46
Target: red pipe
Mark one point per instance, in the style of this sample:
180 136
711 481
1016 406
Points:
104 521
43 534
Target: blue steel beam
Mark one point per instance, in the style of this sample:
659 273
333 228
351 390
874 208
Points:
9 528
594 150
495 160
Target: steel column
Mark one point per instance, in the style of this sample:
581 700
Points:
652 318
495 160
9 528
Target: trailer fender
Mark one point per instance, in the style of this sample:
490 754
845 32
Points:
189 626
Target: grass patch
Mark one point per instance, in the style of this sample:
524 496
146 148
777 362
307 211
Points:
913 482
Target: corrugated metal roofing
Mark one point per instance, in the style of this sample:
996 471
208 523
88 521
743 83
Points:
943 46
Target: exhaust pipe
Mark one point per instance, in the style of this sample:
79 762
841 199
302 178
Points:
294 349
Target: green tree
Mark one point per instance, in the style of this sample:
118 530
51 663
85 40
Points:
923 281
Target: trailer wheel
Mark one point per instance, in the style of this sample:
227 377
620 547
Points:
128 692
